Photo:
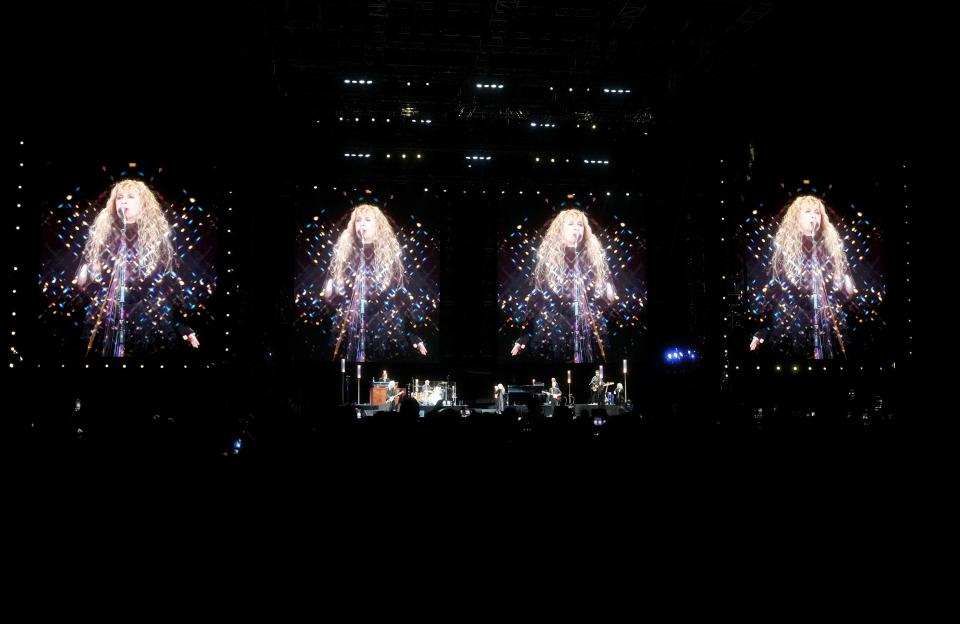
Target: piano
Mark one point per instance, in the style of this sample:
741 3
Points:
520 395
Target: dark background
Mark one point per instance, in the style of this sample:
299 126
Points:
255 91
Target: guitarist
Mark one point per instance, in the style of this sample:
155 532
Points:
554 392
596 386
394 396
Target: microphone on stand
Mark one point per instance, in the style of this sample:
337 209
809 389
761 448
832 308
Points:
577 351
361 281
816 299
120 273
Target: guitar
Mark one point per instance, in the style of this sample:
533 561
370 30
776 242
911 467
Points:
596 387
555 397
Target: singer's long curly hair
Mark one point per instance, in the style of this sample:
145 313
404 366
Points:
550 272
387 265
788 253
154 249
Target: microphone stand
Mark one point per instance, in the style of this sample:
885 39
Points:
361 285
577 347
817 294
120 273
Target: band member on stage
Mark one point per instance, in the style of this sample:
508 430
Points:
393 397
554 392
500 397
618 394
385 377
596 387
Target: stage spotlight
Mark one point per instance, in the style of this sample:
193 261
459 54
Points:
676 355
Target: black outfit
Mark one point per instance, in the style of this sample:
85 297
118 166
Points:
554 393
807 319
133 311
596 390
501 400
391 404
566 326
379 324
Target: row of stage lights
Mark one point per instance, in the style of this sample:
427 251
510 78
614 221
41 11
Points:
367 155
386 119
480 158
671 356
496 86
426 189
233 286
799 368
125 366
422 122
675 355
608 90
533 124
908 271
726 345
15 357
605 90
364 81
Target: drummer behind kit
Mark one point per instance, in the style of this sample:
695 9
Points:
444 392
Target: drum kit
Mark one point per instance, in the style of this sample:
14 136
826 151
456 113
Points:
444 392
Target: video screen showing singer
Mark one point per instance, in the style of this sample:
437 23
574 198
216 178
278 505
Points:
366 286
572 291
137 268
814 280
